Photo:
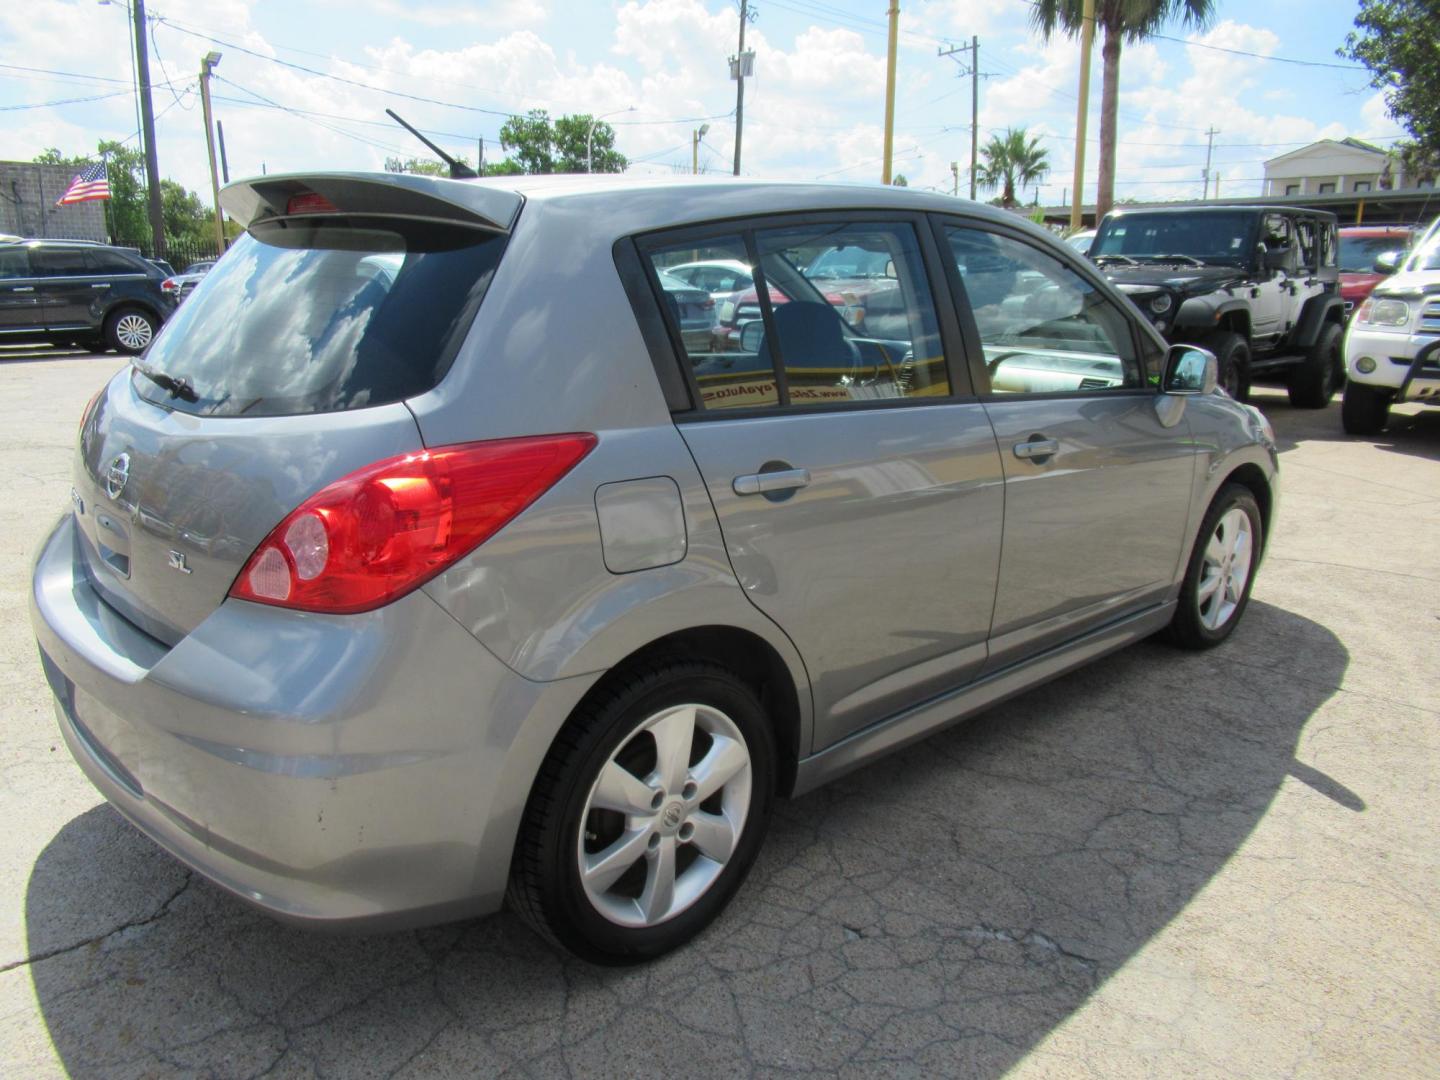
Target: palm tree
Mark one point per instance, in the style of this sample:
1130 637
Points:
1012 161
1122 20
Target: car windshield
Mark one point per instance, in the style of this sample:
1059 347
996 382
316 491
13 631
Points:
849 262
1207 237
1358 253
321 316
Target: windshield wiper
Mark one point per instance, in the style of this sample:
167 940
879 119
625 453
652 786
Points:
1122 258
1175 258
176 388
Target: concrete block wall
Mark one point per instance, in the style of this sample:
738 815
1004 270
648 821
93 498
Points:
27 204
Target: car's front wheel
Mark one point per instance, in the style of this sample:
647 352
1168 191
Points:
130 329
1364 410
1222 568
647 813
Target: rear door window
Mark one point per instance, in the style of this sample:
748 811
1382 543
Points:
59 262
324 315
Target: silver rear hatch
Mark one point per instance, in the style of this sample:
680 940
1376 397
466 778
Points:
286 370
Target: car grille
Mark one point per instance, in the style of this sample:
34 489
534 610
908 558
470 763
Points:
1429 317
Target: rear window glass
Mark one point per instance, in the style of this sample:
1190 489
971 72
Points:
323 316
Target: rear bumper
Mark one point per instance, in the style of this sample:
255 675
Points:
350 771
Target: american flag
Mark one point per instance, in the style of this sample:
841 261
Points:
93 183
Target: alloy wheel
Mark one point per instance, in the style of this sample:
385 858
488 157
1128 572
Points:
134 331
664 816
1229 555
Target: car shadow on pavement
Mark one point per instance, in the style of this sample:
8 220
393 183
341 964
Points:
940 911
1410 432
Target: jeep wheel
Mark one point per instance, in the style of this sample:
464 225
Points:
1364 410
1232 353
1314 382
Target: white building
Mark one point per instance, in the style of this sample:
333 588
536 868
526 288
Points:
1331 167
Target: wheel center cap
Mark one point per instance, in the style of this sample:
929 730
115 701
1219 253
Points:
671 817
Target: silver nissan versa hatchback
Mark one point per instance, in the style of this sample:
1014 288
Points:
420 563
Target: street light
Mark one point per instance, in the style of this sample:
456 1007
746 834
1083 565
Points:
695 148
590 137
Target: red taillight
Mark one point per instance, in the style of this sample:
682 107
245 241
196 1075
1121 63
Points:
170 285
310 203
390 527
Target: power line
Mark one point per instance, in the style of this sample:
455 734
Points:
64 101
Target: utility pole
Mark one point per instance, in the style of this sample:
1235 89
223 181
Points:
955 173
147 131
890 92
974 50
207 65
1209 146
224 162
741 65
1087 42
695 137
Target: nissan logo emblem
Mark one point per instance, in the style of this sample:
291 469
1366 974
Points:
116 476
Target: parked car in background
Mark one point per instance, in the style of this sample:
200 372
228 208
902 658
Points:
415 568
1392 346
694 310
162 265
720 278
1368 255
1081 240
1257 286
77 293
181 286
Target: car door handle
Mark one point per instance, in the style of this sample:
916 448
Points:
100 285
23 288
1037 448
763 483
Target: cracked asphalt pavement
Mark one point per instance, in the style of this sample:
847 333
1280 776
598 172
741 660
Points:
1164 865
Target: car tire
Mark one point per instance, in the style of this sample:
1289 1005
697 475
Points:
1321 373
1212 600
1232 355
130 330
593 860
1365 410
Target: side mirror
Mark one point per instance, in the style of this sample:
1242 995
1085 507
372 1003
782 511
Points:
1389 262
1190 369
752 335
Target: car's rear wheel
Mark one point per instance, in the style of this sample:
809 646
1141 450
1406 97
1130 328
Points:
1364 410
1232 355
647 813
1217 584
130 329
1320 374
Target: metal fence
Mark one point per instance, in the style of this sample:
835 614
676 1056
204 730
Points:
179 256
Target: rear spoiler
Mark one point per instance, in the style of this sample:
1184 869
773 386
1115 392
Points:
463 202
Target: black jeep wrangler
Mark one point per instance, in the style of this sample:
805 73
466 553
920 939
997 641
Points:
1257 286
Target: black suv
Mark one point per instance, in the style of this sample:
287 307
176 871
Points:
1257 286
70 292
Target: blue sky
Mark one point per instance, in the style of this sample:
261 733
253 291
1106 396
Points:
814 109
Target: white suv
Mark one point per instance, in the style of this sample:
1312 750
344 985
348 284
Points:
1392 348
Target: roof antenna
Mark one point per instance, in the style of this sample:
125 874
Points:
458 169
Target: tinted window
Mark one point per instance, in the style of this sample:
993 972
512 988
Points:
859 324
1210 237
325 315
712 335
14 262
1043 327
113 262
59 262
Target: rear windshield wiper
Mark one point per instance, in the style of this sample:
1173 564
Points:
177 388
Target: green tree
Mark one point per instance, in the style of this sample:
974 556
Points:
1121 21
899 181
421 166
1396 40
537 145
189 222
1011 161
